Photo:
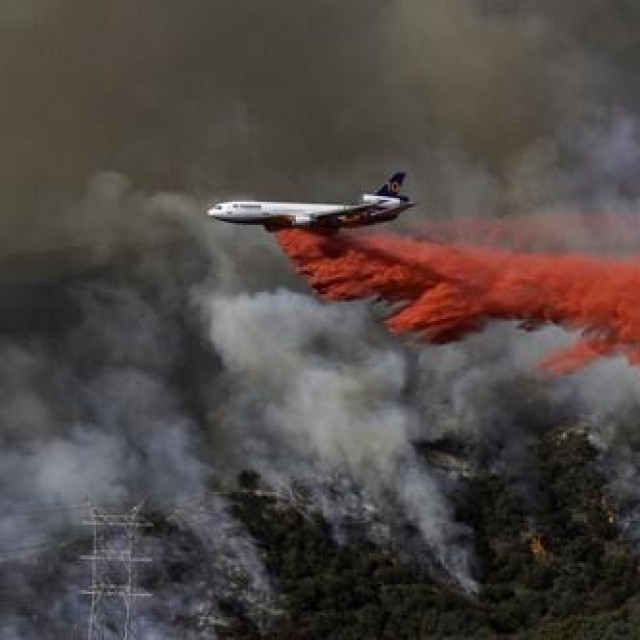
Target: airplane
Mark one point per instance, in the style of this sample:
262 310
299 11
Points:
386 204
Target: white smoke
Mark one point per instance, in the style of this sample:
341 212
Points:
318 382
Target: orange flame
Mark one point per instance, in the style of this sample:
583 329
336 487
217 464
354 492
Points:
449 291
537 547
608 510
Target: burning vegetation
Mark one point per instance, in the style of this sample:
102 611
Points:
589 583
538 548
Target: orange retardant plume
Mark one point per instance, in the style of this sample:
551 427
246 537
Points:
446 292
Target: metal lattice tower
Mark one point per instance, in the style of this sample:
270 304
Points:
114 554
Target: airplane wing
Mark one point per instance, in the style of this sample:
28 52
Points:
344 211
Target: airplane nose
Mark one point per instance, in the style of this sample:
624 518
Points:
218 213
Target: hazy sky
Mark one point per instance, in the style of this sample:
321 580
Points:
210 97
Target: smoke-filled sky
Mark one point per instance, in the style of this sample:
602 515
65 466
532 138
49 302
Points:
185 351
490 105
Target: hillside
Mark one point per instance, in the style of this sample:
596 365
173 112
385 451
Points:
555 568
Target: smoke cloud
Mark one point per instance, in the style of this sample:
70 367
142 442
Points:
490 106
337 400
146 353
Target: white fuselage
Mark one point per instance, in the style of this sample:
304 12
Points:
274 215
257 212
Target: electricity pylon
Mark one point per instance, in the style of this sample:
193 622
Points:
107 561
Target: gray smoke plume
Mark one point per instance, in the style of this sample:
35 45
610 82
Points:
101 402
316 382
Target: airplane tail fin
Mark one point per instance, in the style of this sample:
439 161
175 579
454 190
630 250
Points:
391 189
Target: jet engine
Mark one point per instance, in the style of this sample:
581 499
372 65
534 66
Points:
368 198
304 220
